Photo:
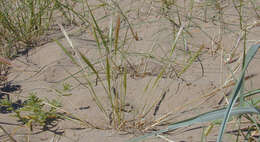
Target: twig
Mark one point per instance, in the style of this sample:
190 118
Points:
164 138
10 137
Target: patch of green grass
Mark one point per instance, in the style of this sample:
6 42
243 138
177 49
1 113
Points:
22 22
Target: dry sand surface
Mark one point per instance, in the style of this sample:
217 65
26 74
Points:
46 68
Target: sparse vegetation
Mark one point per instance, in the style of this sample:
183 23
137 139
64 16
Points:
185 35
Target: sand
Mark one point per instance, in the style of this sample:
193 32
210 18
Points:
47 68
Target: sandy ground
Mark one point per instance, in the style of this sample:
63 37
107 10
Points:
46 68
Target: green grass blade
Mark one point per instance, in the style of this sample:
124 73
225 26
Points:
108 74
96 99
249 56
98 29
110 34
191 60
89 64
251 93
61 5
96 38
158 77
67 52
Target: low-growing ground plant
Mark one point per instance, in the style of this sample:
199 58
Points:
35 111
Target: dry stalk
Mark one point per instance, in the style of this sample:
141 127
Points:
10 137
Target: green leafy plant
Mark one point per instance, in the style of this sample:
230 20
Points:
37 112
66 86
6 104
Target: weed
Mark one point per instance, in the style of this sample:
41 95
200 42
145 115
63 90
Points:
35 111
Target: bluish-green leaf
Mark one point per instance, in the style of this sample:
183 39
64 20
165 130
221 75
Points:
205 117
249 56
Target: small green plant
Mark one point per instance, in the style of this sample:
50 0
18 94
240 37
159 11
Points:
35 111
66 86
6 105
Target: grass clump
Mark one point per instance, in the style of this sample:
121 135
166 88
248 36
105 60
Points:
22 23
25 24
